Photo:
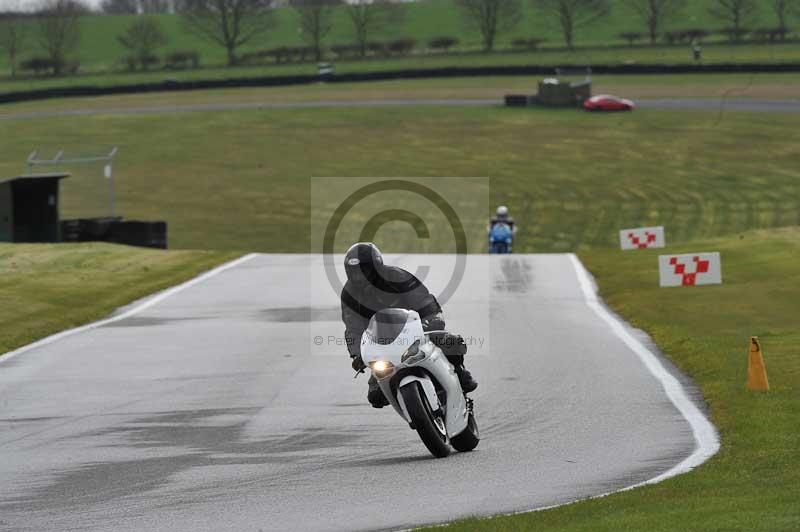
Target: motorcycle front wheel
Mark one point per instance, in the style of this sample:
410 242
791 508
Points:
468 439
431 429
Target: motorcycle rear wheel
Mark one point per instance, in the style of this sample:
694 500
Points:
424 421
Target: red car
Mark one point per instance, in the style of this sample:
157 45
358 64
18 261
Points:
606 102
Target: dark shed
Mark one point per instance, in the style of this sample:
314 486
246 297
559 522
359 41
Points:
29 208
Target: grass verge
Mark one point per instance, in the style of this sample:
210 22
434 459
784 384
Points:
240 179
753 483
47 288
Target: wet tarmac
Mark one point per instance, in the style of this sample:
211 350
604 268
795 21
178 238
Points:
214 410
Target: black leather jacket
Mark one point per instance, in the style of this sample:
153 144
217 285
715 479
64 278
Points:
396 288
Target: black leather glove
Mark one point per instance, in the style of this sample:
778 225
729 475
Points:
435 323
450 344
358 364
460 346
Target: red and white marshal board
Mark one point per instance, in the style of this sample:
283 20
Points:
642 238
691 269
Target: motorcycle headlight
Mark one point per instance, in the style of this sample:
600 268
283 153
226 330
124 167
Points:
412 354
381 368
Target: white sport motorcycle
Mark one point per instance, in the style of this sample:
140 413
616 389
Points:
418 381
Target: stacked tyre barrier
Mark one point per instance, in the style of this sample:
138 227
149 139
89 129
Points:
86 229
116 230
517 100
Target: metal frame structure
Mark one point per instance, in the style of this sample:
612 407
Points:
59 159
567 72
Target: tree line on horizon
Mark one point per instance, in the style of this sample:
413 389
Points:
232 24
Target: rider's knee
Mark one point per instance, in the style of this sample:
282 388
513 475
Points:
452 345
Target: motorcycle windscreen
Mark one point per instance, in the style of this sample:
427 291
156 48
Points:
501 233
389 333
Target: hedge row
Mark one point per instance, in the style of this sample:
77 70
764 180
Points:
290 54
688 35
172 61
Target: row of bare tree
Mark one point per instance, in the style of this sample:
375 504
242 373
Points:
233 24
55 27
492 17
132 7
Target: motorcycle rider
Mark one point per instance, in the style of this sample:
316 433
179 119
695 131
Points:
501 217
373 286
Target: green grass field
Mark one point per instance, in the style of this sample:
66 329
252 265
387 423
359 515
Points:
99 52
48 288
753 483
239 179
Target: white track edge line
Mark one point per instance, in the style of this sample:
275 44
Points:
705 434
159 297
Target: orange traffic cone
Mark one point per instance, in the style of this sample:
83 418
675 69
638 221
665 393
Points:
756 371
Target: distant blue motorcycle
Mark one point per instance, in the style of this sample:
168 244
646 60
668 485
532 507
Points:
500 238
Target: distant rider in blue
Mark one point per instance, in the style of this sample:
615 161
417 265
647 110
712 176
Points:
502 231
373 286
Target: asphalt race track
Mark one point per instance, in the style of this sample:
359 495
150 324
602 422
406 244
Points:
699 104
210 410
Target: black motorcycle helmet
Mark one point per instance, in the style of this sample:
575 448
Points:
362 263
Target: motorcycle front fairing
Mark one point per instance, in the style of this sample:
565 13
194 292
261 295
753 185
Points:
389 336
501 237
440 373
501 232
